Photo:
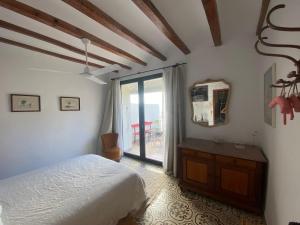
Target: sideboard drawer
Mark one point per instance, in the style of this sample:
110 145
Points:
188 152
245 163
198 154
205 155
225 160
235 161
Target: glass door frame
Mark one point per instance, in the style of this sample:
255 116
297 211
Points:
140 82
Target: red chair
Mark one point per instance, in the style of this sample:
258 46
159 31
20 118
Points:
148 128
136 131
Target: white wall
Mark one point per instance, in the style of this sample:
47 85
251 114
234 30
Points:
281 144
29 140
235 61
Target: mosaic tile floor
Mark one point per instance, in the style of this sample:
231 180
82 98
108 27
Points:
170 206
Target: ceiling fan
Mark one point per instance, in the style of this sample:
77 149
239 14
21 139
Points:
87 73
94 75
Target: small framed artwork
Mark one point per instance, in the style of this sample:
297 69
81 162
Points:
69 104
269 94
25 103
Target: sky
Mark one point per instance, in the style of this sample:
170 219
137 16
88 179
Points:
149 98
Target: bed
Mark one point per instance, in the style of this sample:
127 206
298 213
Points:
87 190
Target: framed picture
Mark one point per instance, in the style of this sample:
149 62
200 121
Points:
25 103
69 104
269 94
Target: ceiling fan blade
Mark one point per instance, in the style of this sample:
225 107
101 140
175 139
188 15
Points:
96 80
48 70
106 70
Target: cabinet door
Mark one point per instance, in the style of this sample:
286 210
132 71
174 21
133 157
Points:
198 172
235 181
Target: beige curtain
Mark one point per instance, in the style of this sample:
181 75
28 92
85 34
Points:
112 117
175 115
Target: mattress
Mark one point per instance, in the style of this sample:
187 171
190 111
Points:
87 190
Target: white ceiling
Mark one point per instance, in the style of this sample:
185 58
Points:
186 17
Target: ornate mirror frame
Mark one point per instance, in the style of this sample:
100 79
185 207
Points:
227 102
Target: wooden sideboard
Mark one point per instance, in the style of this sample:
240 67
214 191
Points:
223 171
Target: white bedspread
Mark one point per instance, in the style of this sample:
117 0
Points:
88 190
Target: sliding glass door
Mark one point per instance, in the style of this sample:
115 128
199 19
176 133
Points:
143 118
130 118
154 119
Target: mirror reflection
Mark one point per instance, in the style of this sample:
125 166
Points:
210 101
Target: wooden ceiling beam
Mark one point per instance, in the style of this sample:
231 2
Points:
95 13
63 26
263 13
21 30
211 11
46 52
148 8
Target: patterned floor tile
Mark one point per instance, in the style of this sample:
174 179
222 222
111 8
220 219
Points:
170 206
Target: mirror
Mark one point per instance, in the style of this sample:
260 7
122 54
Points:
210 100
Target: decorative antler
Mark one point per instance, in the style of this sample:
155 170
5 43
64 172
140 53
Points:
280 86
274 27
272 54
283 82
294 74
271 44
